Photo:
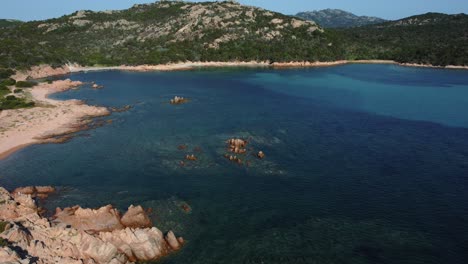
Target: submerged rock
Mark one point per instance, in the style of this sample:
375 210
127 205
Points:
96 86
34 239
121 109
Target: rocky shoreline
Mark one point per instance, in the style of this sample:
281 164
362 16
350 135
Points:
77 235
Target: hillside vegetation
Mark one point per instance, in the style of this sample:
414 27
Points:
9 23
224 31
431 38
164 32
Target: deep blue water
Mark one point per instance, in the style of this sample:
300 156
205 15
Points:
364 163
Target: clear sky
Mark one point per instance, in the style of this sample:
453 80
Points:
389 9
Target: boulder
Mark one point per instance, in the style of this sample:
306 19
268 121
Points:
173 241
237 145
191 157
179 100
261 155
34 191
138 244
136 217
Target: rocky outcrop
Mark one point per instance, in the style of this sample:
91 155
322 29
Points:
136 217
41 71
191 157
261 155
103 219
237 145
179 100
96 86
239 153
78 235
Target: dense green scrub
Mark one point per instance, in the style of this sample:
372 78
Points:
432 38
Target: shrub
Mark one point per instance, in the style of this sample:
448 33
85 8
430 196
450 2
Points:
6 73
13 102
8 82
25 84
2 226
18 91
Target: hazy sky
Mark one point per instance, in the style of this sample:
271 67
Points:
394 9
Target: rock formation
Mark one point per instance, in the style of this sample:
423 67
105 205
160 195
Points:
179 100
237 145
34 191
191 157
103 219
136 217
233 158
96 86
261 155
77 235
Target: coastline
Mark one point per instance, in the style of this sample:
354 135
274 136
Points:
52 118
20 128
180 66
44 71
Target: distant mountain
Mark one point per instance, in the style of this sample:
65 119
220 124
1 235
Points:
336 18
427 19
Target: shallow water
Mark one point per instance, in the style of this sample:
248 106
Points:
364 163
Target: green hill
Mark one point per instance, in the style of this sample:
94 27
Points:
164 32
224 31
431 38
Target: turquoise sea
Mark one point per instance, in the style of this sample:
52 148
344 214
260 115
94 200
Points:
364 163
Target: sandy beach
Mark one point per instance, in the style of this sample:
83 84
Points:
51 118
294 64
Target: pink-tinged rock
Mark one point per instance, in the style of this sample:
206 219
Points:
55 242
45 189
24 190
136 217
261 155
138 244
34 191
173 242
103 219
